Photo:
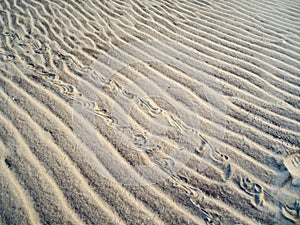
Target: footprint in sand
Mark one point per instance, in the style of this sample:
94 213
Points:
292 163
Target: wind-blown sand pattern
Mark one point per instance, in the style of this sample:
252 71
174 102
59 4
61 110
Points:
149 112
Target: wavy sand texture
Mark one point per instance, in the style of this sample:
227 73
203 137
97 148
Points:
149 112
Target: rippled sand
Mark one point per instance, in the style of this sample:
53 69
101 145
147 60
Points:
149 112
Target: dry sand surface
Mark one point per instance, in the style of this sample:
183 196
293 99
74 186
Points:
149 112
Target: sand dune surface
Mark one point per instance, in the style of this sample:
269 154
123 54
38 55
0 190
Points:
149 112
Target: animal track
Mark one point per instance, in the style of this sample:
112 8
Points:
152 110
228 172
114 86
253 189
196 198
292 213
209 217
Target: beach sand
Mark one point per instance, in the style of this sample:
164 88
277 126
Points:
149 112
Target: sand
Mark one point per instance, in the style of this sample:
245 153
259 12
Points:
149 112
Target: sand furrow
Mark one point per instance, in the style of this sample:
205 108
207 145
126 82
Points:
271 117
165 72
24 165
100 185
251 34
271 18
241 73
242 15
128 216
51 36
124 156
193 83
239 37
73 190
254 136
208 35
64 160
10 186
202 122
201 109
256 58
